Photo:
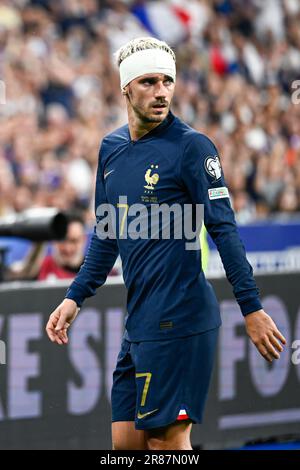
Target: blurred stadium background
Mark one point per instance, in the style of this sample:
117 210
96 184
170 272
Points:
238 82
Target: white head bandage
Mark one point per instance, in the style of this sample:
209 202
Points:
146 61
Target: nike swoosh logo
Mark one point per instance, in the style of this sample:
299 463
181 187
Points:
143 415
108 173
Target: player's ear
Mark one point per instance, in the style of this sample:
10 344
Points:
124 91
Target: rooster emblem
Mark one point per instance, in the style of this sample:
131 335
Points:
151 180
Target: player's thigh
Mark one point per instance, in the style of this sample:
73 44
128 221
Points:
172 379
123 393
126 437
175 436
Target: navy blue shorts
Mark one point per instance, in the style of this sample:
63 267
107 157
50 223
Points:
156 383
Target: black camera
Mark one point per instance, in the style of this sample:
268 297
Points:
37 224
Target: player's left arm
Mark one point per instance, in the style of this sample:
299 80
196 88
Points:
203 177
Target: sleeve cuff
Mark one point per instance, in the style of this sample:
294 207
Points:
250 306
75 295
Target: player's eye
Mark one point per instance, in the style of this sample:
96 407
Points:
168 81
148 81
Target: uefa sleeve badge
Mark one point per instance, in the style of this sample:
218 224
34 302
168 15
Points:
212 166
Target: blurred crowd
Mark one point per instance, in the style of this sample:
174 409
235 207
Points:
237 63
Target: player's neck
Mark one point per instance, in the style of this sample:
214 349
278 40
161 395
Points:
137 127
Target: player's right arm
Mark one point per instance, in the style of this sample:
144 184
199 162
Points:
60 320
101 256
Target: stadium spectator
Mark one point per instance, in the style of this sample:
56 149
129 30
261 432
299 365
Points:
67 255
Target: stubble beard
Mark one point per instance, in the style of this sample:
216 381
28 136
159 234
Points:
150 117
147 117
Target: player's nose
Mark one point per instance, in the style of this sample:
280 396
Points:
160 90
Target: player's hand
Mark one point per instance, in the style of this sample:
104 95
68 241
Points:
60 320
264 334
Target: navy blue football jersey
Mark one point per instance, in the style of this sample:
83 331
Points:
168 294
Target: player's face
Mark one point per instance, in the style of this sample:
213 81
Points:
150 96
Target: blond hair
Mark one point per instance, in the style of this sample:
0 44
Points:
141 44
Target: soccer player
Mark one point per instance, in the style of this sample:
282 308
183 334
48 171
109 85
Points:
164 366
